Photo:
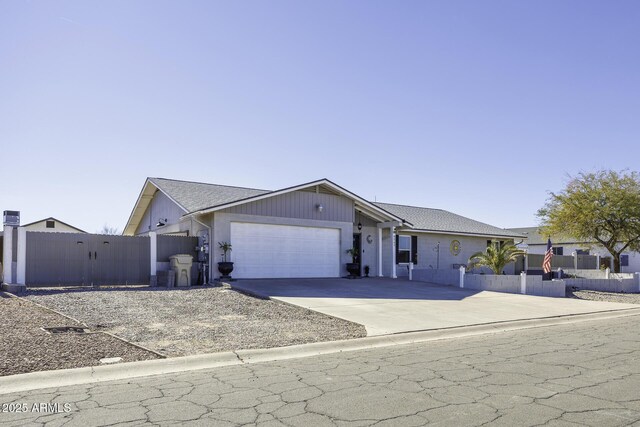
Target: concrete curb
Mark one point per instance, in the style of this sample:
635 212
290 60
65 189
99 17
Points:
67 377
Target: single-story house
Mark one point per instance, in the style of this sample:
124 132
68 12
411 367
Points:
537 244
52 225
306 230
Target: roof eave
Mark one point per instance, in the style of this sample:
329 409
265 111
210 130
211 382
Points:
462 233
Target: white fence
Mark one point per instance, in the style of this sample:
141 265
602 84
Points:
628 283
595 280
521 284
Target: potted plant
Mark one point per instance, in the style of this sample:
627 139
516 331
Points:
225 268
353 267
366 271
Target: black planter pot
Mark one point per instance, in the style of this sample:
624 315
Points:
353 268
225 268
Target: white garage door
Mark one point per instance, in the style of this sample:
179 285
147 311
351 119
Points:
278 251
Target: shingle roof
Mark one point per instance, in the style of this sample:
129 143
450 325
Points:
194 196
444 221
535 238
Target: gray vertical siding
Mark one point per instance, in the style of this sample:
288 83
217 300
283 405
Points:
160 207
300 204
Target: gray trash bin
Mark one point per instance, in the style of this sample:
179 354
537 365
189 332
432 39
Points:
181 265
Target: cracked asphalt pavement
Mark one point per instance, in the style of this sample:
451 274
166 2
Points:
585 373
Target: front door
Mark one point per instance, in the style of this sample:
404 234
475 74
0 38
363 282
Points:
357 246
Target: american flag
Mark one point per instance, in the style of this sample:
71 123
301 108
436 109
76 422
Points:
546 263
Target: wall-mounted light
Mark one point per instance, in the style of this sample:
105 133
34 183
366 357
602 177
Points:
359 223
319 207
162 222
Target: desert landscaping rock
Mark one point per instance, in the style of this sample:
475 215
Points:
25 347
179 322
604 296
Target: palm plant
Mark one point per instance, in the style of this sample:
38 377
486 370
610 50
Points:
496 257
226 247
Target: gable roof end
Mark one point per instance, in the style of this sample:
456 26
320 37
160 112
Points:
367 207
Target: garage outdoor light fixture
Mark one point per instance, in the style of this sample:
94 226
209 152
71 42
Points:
359 223
319 207
162 222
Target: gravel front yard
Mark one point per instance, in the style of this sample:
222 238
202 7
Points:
25 347
178 322
604 296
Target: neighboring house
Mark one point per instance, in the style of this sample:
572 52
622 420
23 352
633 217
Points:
537 244
52 225
306 230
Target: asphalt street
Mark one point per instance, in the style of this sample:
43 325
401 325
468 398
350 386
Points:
585 373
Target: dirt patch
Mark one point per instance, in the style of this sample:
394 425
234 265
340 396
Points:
179 322
26 347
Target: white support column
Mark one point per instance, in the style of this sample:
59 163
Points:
523 283
153 251
462 273
597 261
379 252
575 260
410 271
392 231
607 273
636 276
526 261
7 258
21 259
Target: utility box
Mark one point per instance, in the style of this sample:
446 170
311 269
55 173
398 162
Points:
11 218
181 265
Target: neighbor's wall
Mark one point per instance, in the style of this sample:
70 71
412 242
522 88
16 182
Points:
617 283
634 257
161 207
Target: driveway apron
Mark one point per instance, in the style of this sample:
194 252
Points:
388 306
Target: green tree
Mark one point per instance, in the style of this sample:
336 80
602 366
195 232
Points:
496 257
602 206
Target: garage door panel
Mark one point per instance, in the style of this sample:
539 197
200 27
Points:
274 251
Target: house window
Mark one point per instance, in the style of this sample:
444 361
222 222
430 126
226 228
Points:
624 260
582 251
557 250
406 249
51 224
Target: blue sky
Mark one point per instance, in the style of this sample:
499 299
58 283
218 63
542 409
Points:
477 107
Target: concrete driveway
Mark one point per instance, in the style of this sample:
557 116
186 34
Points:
387 306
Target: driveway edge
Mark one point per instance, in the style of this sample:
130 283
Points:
76 376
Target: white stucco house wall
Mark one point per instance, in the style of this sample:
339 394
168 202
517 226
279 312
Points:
562 245
305 230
